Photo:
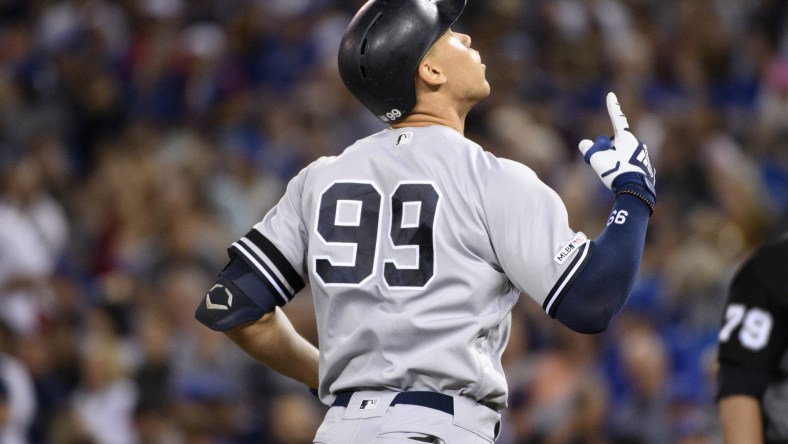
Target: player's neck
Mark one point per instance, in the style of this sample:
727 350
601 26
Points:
423 116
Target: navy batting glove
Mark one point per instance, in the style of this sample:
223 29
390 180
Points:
622 162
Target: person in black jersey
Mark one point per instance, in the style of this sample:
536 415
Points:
752 392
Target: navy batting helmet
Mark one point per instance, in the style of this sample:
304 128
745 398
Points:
382 47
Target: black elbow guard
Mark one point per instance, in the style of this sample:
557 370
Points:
239 296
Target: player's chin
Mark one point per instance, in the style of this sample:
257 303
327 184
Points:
484 89
484 77
479 90
474 99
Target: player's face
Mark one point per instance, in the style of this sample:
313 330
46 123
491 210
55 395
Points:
463 66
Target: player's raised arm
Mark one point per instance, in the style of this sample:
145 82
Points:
590 302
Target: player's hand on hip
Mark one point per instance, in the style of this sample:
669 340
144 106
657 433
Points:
622 159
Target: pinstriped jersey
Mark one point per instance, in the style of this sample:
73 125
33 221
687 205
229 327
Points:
416 244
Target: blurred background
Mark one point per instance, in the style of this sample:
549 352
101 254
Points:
139 138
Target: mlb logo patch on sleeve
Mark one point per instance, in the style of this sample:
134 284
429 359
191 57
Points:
570 248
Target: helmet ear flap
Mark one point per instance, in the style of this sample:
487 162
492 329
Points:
382 47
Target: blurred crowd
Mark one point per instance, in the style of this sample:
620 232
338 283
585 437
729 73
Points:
139 138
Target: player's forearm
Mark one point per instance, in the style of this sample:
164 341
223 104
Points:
273 341
599 291
741 420
604 284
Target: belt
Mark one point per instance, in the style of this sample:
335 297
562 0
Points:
437 401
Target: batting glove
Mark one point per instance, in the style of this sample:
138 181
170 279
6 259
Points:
622 162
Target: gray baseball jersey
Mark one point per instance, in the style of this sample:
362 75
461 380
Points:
417 243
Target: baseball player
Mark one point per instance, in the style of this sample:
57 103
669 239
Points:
417 243
753 350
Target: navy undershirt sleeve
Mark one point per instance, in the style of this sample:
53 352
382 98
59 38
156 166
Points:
604 283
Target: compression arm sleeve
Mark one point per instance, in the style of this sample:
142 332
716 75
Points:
603 285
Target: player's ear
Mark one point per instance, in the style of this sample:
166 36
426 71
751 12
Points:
430 72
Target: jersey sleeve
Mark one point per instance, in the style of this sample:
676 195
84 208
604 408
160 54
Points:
529 230
753 333
275 247
265 268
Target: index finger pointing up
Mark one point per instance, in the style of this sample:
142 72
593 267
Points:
616 115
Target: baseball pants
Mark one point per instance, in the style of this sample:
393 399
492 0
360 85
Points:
384 417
